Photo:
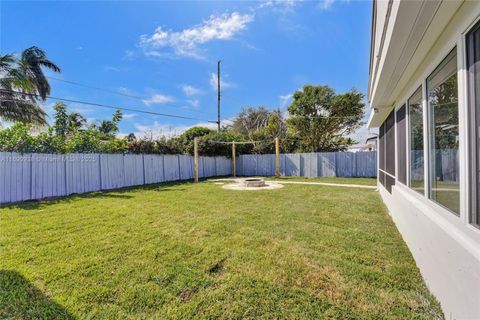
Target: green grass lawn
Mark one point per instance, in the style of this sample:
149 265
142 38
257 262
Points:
359 181
179 251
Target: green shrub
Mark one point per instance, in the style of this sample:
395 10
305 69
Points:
17 138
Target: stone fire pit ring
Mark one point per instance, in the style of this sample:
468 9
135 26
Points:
252 184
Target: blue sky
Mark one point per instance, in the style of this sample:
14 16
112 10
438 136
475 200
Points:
165 53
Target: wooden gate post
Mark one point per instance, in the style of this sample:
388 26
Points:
234 160
277 157
195 159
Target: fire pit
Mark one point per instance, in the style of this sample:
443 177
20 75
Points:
253 183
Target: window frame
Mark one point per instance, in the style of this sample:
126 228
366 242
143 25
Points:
420 89
428 134
473 215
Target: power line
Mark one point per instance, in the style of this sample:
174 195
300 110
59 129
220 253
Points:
140 98
108 106
285 111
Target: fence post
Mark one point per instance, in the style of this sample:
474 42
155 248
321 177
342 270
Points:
195 159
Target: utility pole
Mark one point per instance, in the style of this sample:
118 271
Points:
218 85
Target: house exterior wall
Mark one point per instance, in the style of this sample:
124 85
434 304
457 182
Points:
446 246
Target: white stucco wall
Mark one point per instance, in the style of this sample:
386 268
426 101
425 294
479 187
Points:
446 247
448 258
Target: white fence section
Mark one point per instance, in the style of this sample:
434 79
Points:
37 176
321 164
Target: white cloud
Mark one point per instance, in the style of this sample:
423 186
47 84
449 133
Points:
158 99
125 90
186 42
284 100
279 5
157 129
190 91
128 116
325 4
111 68
129 54
195 103
223 84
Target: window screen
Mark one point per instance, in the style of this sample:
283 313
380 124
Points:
390 144
386 150
401 145
381 147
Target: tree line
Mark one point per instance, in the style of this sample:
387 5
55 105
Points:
317 120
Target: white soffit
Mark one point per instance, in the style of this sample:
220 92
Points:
415 29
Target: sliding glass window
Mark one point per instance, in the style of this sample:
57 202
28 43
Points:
473 57
443 134
415 134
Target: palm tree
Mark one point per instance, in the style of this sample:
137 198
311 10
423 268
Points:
23 85
75 121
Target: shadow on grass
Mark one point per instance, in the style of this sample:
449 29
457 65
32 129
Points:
120 193
19 299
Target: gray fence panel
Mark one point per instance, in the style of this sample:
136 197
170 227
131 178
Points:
82 173
153 168
366 163
21 175
48 176
223 166
321 164
282 164
112 171
265 165
345 164
209 167
171 167
5 179
220 167
249 164
133 170
201 171
15 175
326 164
310 165
239 164
186 167
292 164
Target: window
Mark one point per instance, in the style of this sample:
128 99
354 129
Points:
473 58
415 133
401 145
443 134
386 151
390 144
381 155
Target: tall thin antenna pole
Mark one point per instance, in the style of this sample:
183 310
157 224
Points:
218 84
